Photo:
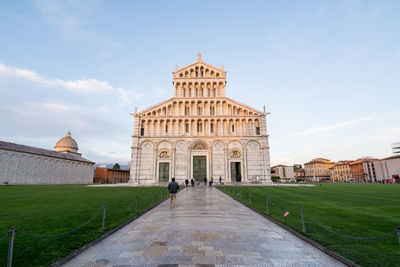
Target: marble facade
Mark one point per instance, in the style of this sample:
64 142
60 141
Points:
200 124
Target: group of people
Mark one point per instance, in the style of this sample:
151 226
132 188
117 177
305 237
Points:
173 187
195 182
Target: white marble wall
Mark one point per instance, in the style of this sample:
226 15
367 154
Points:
25 168
254 158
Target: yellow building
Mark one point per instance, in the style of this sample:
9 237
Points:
318 169
341 171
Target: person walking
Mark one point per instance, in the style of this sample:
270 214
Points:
173 189
192 182
205 181
220 180
186 182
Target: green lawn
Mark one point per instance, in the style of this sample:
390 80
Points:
359 210
56 209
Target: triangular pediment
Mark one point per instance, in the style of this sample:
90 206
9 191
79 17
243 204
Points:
169 102
209 71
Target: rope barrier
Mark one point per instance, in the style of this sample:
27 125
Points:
336 233
61 234
290 210
347 236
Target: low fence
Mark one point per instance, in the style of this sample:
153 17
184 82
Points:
303 213
135 207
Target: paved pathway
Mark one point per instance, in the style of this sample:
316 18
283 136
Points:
206 228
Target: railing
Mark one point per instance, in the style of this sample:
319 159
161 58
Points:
237 194
135 207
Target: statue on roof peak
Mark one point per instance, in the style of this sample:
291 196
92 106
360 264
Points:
199 56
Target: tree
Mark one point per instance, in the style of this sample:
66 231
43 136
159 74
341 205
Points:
116 166
297 166
275 178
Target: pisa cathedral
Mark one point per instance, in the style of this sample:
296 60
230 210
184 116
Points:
200 133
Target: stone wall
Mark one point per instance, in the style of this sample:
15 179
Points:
26 168
253 157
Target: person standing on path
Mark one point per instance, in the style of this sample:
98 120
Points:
220 180
205 181
192 182
186 182
173 189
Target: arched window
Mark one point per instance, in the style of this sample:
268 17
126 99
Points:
187 127
165 155
234 154
212 110
199 127
212 127
199 146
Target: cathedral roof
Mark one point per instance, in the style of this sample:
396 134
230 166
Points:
42 152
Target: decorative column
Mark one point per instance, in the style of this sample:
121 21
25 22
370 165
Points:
173 160
245 162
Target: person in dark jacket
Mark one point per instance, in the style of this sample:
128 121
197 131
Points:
192 182
173 189
186 182
205 181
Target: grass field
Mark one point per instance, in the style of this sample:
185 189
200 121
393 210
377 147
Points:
56 209
358 210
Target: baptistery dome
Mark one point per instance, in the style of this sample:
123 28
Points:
67 145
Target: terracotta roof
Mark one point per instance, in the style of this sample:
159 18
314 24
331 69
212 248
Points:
392 157
361 160
42 152
319 160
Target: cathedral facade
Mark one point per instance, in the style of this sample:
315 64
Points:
200 133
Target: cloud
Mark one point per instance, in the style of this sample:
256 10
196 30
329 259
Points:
82 86
66 16
333 126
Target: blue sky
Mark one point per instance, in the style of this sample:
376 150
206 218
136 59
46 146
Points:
328 71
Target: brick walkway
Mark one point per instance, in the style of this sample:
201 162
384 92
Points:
206 228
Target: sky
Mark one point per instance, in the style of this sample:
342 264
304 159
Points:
328 71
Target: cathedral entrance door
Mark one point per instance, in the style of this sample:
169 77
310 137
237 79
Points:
236 174
163 173
199 167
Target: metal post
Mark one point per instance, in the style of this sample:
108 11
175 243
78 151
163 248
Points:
104 217
398 233
136 205
266 204
250 198
152 198
10 247
302 219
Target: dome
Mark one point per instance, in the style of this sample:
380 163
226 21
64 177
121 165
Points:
67 145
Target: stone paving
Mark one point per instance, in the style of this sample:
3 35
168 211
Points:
206 228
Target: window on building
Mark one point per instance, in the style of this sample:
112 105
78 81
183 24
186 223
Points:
199 127
187 127
258 130
233 128
166 128
212 128
212 110
142 131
